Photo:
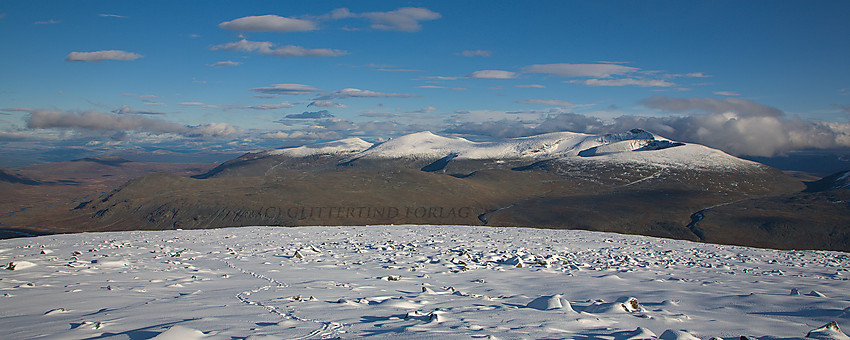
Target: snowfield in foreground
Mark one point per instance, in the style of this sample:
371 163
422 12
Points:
413 281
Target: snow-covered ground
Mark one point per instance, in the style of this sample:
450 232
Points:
412 281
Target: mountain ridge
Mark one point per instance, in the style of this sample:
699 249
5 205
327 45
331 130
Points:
634 182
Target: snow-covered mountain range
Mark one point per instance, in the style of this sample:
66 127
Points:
633 146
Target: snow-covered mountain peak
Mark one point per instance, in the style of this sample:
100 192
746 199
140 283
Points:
342 146
632 146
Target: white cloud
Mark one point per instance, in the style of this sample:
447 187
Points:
129 110
270 106
532 86
200 104
288 89
97 121
299 135
111 16
427 109
405 19
140 96
397 70
726 93
740 107
440 78
441 87
626 82
102 55
476 53
265 47
268 23
226 63
210 130
492 74
19 109
325 103
549 102
580 70
358 93
310 115
730 132
47 22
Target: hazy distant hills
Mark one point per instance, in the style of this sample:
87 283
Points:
8 177
633 182
40 198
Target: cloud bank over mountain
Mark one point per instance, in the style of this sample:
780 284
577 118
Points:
737 126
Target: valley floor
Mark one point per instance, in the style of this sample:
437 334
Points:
411 281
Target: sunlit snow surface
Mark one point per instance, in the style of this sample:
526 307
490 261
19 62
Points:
411 281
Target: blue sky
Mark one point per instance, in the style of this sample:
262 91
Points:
172 78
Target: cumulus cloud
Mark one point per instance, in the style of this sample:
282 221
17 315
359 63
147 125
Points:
102 55
406 19
226 63
741 107
427 109
268 23
358 93
549 102
196 104
745 135
209 130
288 89
580 70
288 51
301 135
98 121
476 53
492 74
627 82
738 126
325 103
270 106
124 109
310 115
726 93
335 124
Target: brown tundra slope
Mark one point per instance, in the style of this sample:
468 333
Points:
634 182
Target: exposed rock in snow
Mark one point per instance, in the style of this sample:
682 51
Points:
830 331
19 265
624 304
